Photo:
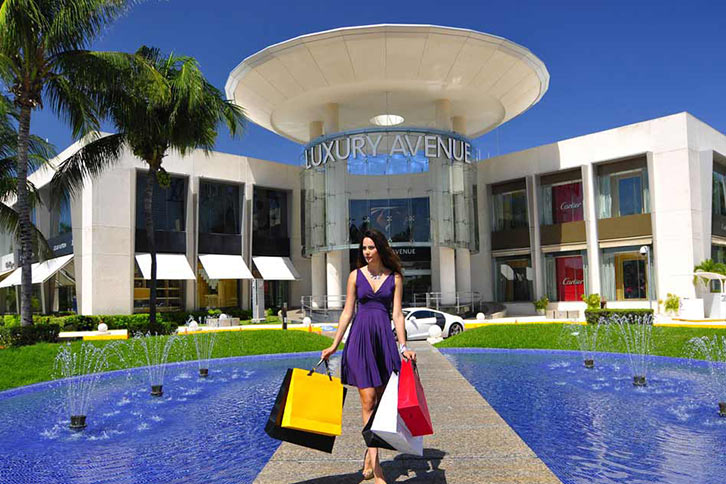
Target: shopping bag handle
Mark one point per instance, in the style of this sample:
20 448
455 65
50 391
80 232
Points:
327 368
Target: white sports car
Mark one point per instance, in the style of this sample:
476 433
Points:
419 320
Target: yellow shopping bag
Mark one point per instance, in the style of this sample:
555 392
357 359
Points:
314 402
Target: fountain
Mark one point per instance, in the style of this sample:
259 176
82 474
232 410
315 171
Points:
713 349
204 344
636 332
586 335
81 366
156 353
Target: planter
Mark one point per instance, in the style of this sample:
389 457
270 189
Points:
540 312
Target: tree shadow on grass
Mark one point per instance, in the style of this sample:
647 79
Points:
414 469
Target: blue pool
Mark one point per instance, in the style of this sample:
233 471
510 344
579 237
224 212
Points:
594 425
201 430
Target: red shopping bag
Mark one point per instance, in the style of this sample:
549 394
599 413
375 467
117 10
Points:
412 402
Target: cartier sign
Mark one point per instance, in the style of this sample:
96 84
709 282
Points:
405 144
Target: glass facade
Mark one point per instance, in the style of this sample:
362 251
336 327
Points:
561 203
387 164
411 198
168 205
400 219
718 253
514 279
219 208
622 193
566 275
625 275
169 294
510 210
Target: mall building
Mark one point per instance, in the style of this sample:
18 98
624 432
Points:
385 115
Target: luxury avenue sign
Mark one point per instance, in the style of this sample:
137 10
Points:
406 144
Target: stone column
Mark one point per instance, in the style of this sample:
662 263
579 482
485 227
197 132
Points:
534 238
589 200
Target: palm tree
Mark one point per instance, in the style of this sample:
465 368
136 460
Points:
39 152
43 55
184 118
708 265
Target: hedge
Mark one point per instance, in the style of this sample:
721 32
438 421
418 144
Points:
29 335
595 316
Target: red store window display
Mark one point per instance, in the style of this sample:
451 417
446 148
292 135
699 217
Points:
567 202
570 278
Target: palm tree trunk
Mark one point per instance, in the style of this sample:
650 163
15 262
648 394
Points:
23 208
149 225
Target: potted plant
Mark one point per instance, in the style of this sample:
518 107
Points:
540 305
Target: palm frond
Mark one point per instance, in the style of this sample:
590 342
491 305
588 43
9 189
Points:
76 22
90 161
10 223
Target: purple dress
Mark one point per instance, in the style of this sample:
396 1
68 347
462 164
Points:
370 353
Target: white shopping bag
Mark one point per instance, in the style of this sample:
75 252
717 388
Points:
389 426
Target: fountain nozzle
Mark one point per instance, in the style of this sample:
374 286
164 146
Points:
589 363
639 380
78 422
722 409
204 372
157 390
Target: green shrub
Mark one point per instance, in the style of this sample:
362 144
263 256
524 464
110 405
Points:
541 303
672 303
592 301
595 316
29 335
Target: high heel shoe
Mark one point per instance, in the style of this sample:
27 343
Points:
367 473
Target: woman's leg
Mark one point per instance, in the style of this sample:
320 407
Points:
368 399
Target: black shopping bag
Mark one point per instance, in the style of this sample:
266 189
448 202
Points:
298 437
372 440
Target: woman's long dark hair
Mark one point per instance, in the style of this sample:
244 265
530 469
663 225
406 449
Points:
388 257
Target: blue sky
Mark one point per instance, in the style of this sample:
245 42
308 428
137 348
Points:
611 63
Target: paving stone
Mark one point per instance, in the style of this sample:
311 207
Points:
471 443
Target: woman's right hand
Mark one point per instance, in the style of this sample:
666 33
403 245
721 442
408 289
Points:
327 352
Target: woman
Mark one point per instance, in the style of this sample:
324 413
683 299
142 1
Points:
370 353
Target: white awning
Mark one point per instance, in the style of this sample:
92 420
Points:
225 266
42 271
168 266
276 268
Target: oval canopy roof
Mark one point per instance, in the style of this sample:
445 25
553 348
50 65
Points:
387 69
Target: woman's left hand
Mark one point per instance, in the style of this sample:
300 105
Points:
409 355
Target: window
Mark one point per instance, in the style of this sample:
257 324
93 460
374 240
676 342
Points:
718 253
514 278
625 274
423 314
169 294
719 194
379 165
623 189
215 293
561 203
401 219
270 235
168 204
566 276
510 210
219 208
60 221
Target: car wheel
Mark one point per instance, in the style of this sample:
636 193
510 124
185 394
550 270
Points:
455 329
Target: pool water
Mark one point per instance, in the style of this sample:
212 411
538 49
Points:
200 431
594 425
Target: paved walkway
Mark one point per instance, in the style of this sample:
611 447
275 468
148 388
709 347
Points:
472 444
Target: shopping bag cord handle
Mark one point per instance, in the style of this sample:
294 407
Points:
327 368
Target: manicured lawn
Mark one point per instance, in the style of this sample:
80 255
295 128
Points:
32 364
667 341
